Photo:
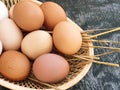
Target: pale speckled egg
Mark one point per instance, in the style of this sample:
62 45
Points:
3 11
50 68
53 14
0 47
28 15
10 35
36 43
67 38
14 65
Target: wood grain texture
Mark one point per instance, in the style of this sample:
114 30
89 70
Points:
95 14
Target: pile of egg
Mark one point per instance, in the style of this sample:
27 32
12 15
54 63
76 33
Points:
24 38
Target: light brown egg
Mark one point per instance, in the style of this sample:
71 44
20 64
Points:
36 43
14 65
50 68
10 35
67 38
53 14
28 15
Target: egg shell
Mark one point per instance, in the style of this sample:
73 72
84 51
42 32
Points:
14 65
50 68
3 11
53 14
36 43
67 38
0 47
10 35
28 15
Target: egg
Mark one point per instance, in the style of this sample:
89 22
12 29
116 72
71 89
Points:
14 65
53 14
67 38
3 11
0 47
11 12
50 68
10 35
28 15
36 43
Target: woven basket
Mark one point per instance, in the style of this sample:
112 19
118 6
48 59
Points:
77 71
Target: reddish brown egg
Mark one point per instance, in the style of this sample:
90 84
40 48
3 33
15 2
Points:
50 68
14 65
28 15
53 14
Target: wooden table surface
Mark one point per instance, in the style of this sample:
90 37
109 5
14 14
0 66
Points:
96 14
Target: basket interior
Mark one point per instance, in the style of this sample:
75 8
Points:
76 66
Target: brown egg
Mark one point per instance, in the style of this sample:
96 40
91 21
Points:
36 43
10 35
28 15
50 68
14 65
53 14
67 38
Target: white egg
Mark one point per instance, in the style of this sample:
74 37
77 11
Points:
3 11
0 47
